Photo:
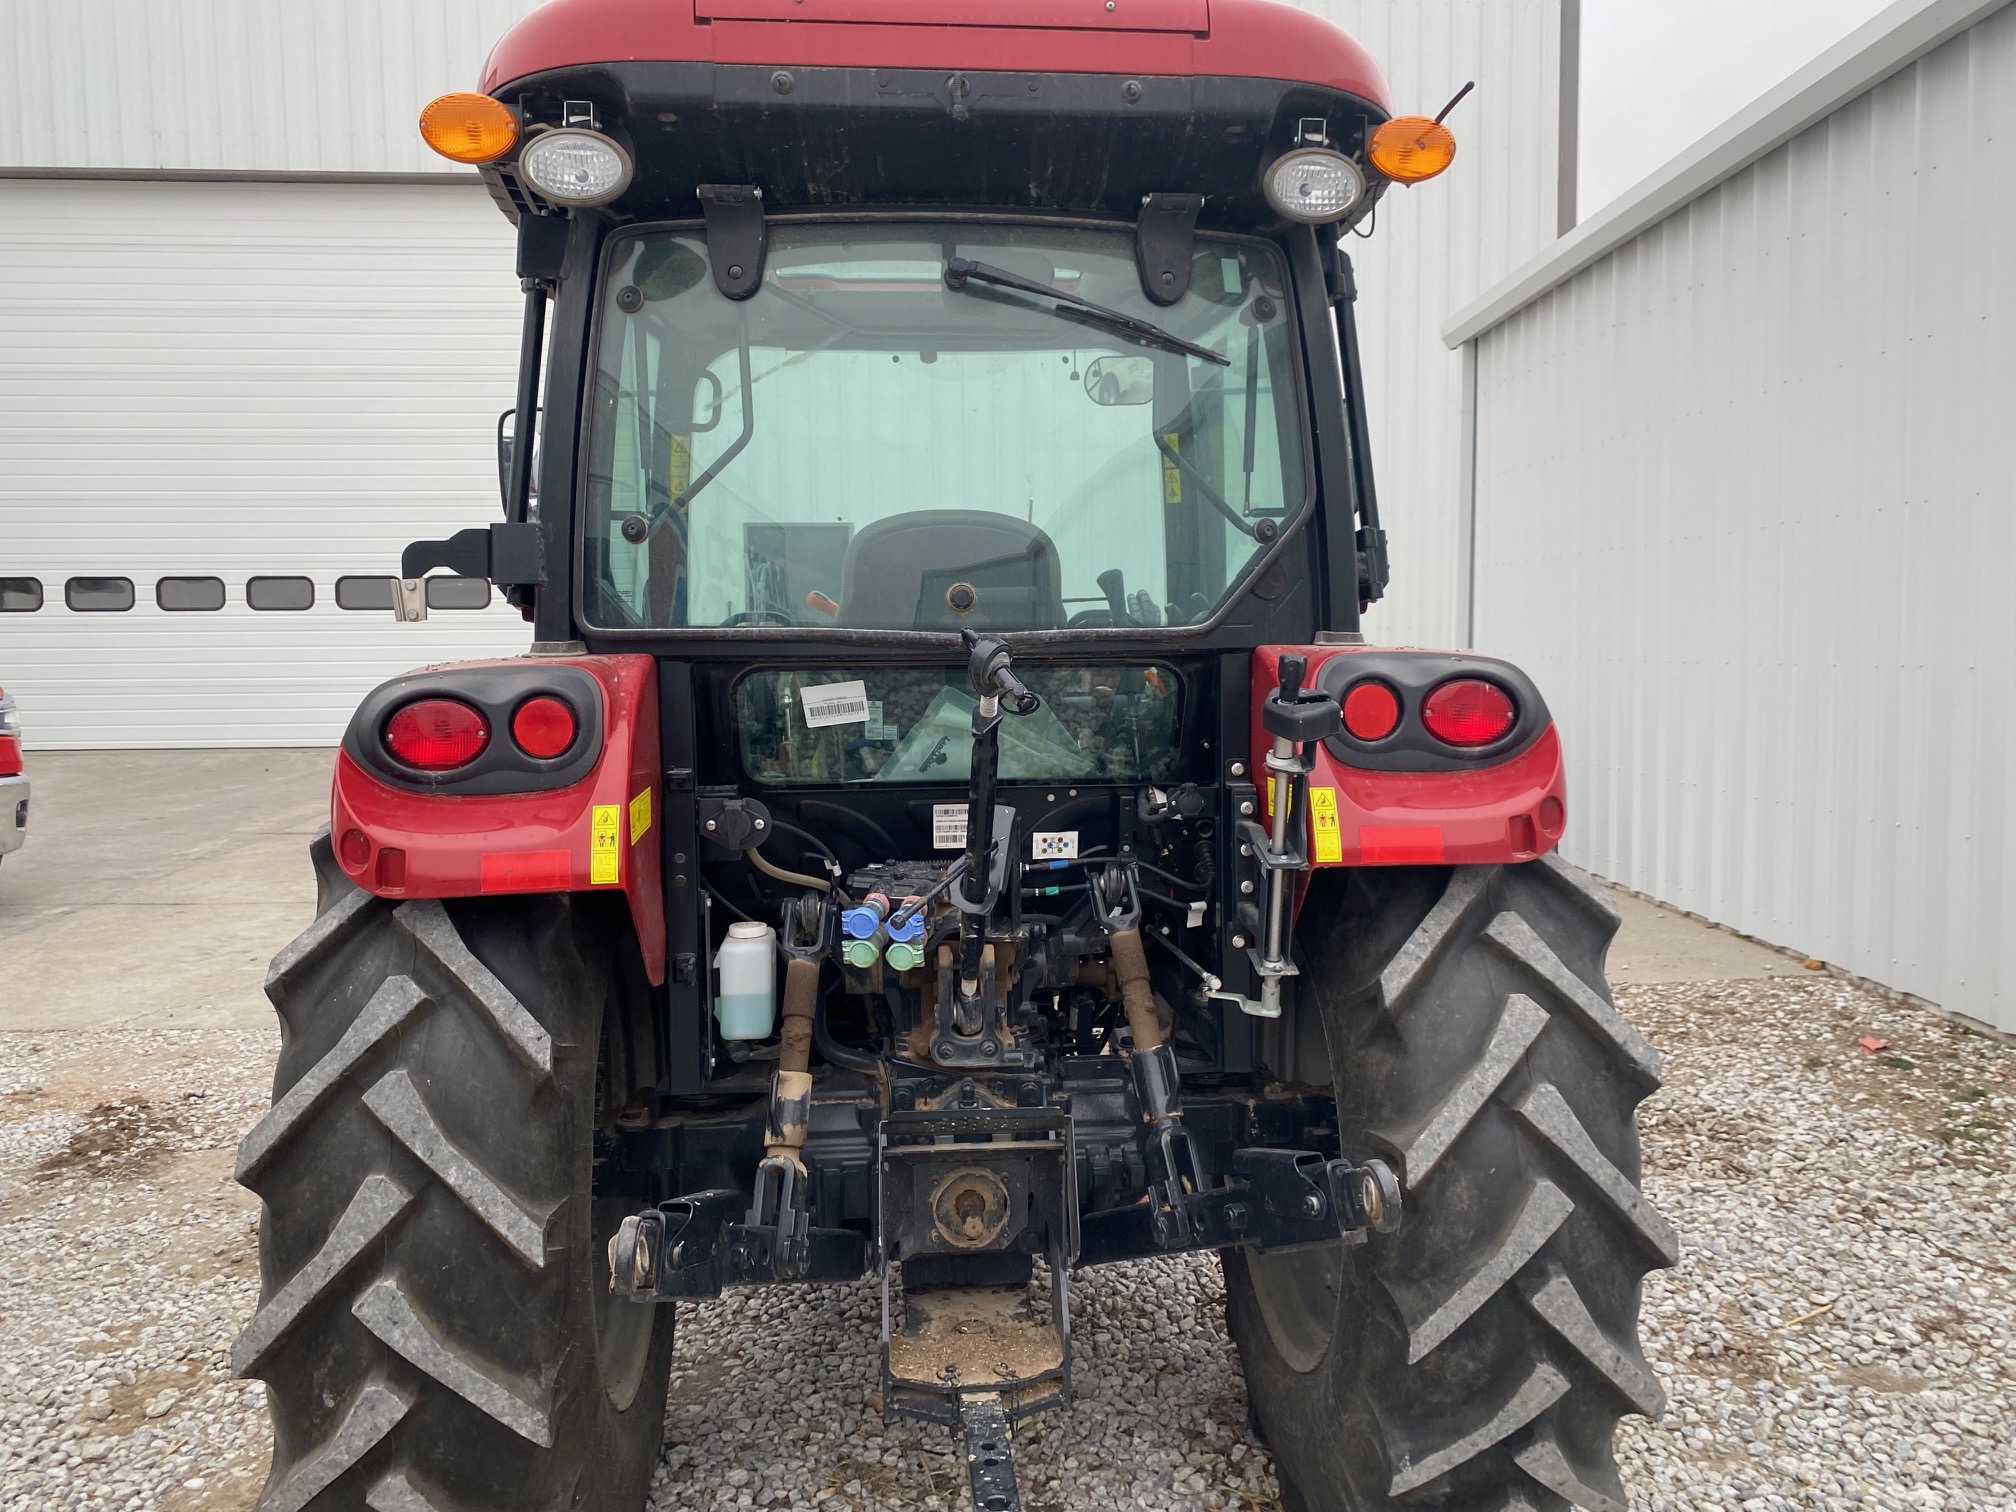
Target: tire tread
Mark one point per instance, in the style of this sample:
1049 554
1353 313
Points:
397 1104
1483 1055
428 1312
386 1311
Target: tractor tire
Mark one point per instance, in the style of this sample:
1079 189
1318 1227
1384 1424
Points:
435 1328
1480 1356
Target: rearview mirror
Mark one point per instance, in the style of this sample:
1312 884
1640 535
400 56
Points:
1120 380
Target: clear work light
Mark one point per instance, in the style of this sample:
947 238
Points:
575 167
1313 185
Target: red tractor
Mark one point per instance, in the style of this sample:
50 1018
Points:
949 827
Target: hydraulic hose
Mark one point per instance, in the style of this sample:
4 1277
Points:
797 879
837 1053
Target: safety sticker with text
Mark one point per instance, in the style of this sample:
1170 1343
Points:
640 815
1329 839
603 855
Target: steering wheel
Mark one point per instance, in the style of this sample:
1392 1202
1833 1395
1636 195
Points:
760 617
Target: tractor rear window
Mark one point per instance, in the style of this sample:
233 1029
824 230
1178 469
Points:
863 445
914 725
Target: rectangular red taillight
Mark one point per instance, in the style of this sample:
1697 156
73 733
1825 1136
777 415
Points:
1400 844
10 755
525 871
1055 15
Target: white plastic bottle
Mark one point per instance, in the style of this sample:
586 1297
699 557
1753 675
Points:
746 967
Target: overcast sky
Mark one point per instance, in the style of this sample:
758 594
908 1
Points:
1657 75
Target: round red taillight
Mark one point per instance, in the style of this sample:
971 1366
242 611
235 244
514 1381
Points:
437 734
543 727
1468 712
356 849
1371 710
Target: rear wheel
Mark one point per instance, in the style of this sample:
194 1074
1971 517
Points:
435 1328
1481 1356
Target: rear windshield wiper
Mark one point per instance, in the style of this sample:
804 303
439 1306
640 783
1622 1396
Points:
958 270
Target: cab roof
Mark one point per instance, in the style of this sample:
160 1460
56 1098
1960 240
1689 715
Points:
1250 39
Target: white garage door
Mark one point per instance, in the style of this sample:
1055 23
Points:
249 391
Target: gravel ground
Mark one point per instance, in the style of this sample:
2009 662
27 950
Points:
1841 1330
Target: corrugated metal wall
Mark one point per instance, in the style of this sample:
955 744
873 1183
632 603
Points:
1745 509
277 86
1435 248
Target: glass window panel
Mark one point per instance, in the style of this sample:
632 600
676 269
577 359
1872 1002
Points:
914 725
458 593
99 595
367 593
280 593
20 595
859 445
184 595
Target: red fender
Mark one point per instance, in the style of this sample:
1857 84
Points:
1504 811
399 843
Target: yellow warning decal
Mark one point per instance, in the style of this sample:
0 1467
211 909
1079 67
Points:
1329 838
679 465
640 815
1172 475
603 853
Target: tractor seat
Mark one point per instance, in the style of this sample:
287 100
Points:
921 565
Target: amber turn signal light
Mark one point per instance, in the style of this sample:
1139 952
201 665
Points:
469 128
1411 149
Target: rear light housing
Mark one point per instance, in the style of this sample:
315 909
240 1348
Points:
1468 712
544 727
1371 710
437 734
10 738
480 728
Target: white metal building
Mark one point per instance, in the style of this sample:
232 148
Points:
1437 246
1743 480
251 341
251 334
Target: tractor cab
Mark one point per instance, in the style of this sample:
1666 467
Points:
949 829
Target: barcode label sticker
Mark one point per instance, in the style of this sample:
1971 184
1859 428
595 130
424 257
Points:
948 826
834 704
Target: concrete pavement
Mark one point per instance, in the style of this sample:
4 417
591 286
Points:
155 886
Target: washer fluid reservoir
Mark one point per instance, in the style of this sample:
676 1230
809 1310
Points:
746 970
